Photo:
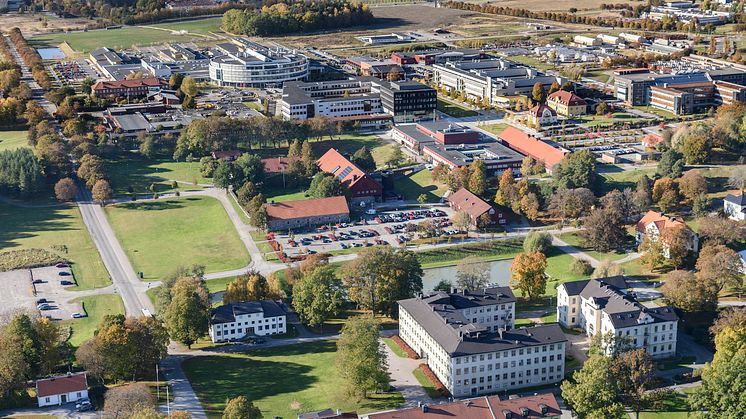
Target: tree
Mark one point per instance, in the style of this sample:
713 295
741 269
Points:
527 273
721 230
719 266
723 390
189 87
571 203
186 316
634 374
395 157
13 368
684 291
671 164
364 160
692 185
581 267
696 149
65 190
737 178
324 185
651 253
472 274
619 203
318 296
251 286
308 159
538 94
606 269
537 241
422 199
380 276
443 285
125 401
241 408
529 205
506 191
101 191
665 194
642 197
677 243
555 86
576 170
245 193
701 205
361 360
477 177
604 230
462 221
591 392
91 169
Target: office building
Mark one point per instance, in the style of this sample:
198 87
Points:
242 63
406 101
236 321
546 151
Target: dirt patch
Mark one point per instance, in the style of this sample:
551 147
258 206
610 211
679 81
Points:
36 24
555 5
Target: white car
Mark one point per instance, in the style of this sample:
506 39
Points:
77 315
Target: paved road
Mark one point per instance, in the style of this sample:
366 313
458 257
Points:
404 381
184 397
573 251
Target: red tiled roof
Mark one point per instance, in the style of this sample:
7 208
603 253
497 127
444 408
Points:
480 408
274 165
118 84
336 164
566 98
660 220
539 109
61 385
466 201
651 140
289 210
525 144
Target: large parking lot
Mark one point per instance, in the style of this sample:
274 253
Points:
26 289
394 228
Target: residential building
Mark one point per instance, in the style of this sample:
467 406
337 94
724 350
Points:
481 213
61 389
361 186
128 88
242 63
567 104
468 341
289 215
546 151
406 101
486 407
654 225
688 98
542 115
274 166
734 206
248 318
603 306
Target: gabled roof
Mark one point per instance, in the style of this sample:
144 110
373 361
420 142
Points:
739 199
289 210
61 385
469 203
227 313
485 407
534 147
273 165
576 287
118 84
335 163
566 98
538 110
661 221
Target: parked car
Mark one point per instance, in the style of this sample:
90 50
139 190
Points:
45 307
66 283
77 315
37 281
42 305
41 301
64 273
83 405
61 265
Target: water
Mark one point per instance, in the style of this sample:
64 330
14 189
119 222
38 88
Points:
499 274
50 53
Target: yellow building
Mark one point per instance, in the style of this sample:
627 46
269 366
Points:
566 103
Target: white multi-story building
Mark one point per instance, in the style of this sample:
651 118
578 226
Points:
602 306
734 206
468 341
252 318
242 63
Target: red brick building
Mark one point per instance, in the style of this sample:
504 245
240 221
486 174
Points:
128 88
362 187
486 407
548 152
476 207
306 213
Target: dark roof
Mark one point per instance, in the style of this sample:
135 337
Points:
739 199
61 385
227 313
485 407
576 287
469 203
439 314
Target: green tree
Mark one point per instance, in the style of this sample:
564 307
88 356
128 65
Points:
696 149
324 185
364 160
477 177
187 315
224 175
241 408
576 170
189 87
651 253
528 274
361 360
538 94
395 157
537 241
591 392
671 164
443 285
318 296
309 161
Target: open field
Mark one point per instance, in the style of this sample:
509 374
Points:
198 26
160 235
11 140
486 251
601 120
494 128
625 179
125 37
134 171
453 109
96 307
295 379
573 239
412 186
33 23
59 230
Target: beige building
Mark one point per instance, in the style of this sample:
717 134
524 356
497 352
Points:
566 103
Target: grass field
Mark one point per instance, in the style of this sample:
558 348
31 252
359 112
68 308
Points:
426 384
495 128
294 379
11 140
96 307
137 172
394 347
199 26
454 110
675 406
601 120
412 186
625 179
125 37
59 230
574 240
531 61
160 235
488 251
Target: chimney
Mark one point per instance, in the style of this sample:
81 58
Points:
543 409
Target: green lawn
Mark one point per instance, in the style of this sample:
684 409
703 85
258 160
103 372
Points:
199 26
219 284
412 186
487 251
160 235
495 128
394 347
660 112
625 179
454 110
121 38
601 76
426 384
131 170
596 120
96 307
11 140
531 61
241 213
573 239
294 379
676 406
273 190
56 229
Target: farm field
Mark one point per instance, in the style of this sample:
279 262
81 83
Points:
59 230
160 235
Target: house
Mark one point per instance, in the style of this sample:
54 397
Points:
469 341
479 210
603 306
227 155
542 115
276 165
62 389
248 318
567 104
128 88
303 213
486 407
654 224
735 206
549 152
362 187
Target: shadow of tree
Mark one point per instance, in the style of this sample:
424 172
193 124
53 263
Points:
19 223
159 205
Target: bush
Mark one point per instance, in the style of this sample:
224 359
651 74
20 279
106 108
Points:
27 258
581 267
537 241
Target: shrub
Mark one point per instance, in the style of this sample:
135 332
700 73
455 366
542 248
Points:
537 241
581 267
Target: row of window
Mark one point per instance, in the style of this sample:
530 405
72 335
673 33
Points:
513 364
241 330
513 352
513 375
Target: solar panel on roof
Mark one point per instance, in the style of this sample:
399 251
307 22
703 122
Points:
344 172
334 170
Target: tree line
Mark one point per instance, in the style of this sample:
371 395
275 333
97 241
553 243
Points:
31 58
282 18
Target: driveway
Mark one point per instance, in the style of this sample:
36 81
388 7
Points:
578 346
403 379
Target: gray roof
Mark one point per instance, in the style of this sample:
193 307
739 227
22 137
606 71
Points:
437 314
575 287
739 199
227 313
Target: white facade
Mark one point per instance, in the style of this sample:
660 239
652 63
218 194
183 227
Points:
603 308
238 320
245 64
586 40
61 389
60 399
734 208
334 99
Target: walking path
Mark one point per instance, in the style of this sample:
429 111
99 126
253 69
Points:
573 251
404 381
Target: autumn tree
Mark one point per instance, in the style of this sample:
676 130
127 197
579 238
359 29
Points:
683 290
241 408
251 286
737 178
571 204
187 317
642 197
127 400
361 359
91 169
665 194
720 266
538 93
472 273
477 177
651 253
607 269
537 241
507 192
634 374
677 242
604 230
721 230
65 190
462 221
692 185
527 273
101 191
318 296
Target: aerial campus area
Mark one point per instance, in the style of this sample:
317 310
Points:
382 209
